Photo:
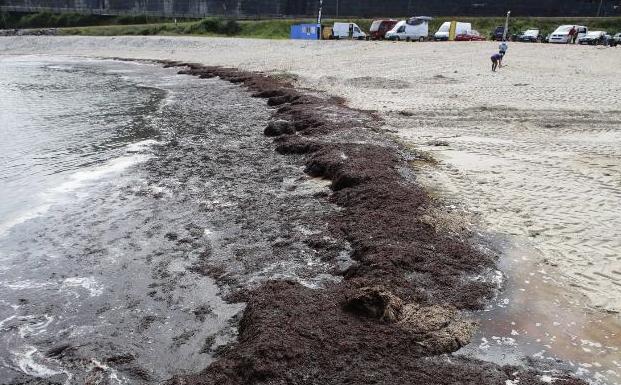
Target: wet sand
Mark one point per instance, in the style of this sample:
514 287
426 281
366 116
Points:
531 151
534 317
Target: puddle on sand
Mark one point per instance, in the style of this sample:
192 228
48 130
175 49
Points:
536 317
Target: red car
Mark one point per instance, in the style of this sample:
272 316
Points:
380 27
470 36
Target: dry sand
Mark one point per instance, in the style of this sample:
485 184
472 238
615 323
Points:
534 151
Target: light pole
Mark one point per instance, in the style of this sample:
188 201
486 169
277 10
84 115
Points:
504 33
319 15
599 8
337 8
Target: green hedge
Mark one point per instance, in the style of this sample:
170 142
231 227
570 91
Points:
214 26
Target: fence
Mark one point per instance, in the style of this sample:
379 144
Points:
308 8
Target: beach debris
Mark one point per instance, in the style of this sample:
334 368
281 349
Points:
438 327
438 143
279 127
441 327
376 302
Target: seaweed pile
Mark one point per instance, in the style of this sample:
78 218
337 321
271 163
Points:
401 308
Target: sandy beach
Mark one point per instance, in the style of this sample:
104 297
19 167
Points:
535 148
530 154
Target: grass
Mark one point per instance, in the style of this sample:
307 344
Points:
268 29
74 24
263 29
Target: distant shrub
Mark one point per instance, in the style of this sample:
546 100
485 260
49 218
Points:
149 30
203 26
215 26
124 20
230 28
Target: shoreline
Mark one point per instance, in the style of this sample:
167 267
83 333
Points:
374 320
368 83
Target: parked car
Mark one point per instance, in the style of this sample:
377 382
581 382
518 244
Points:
347 30
609 41
443 31
617 38
499 33
380 27
472 35
593 38
414 29
561 34
531 35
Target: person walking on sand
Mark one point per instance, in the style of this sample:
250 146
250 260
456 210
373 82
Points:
496 61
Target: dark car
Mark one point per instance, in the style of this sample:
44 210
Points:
380 27
609 41
593 38
498 33
531 35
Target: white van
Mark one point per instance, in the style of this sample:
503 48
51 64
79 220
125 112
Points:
443 31
561 34
344 30
414 29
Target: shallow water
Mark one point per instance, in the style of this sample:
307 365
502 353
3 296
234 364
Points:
125 187
535 319
58 119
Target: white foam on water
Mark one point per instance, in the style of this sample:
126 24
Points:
290 270
141 146
135 154
25 284
6 320
113 374
547 379
25 361
60 67
120 71
88 283
11 305
81 178
36 328
23 217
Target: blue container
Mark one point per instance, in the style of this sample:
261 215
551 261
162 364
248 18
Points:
306 31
